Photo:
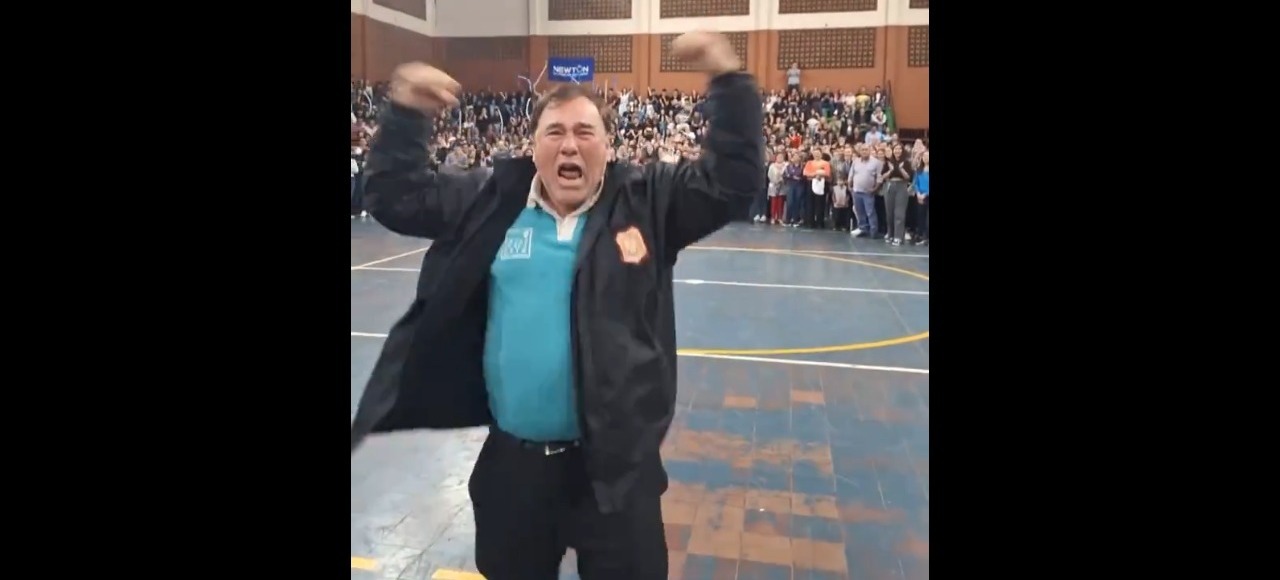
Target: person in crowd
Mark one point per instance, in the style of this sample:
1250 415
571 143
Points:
840 161
357 188
864 180
878 119
918 150
777 197
878 97
897 176
759 205
862 99
881 153
841 204
921 186
817 175
793 180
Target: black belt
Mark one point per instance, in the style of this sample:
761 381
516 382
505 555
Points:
547 448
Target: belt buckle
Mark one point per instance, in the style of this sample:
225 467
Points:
550 449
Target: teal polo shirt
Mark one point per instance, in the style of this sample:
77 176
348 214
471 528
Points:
528 351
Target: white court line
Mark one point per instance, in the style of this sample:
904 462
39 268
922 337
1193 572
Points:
388 258
800 287
784 361
833 252
696 282
365 266
812 363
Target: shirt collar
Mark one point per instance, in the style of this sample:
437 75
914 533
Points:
537 200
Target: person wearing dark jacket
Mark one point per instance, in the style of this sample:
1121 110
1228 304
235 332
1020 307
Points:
544 310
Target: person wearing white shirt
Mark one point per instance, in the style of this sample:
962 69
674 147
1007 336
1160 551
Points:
878 118
863 175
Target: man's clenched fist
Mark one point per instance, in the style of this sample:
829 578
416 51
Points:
709 51
423 87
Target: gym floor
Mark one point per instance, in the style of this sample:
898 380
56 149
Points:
800 447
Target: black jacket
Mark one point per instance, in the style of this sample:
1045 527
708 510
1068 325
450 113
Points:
429 374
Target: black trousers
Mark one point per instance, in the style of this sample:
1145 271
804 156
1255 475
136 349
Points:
357 195
533 501
816 210
912 214
843 217
817 217
882 216
922 218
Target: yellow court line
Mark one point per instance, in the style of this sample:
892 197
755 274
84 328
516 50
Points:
853 346
814 349
358 563
445 574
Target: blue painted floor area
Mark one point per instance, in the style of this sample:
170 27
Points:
779 469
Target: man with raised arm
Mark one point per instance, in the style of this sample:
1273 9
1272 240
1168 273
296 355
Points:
544 311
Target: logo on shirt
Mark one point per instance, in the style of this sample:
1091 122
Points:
631 245
518 245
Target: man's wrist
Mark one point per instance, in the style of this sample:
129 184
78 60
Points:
725 62
726 66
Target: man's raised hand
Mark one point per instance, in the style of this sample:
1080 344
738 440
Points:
423 87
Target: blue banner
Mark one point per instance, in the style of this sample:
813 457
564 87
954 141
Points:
571 70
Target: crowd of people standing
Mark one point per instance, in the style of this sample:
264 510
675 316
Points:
836 159
878 190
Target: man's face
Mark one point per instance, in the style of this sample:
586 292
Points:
569 151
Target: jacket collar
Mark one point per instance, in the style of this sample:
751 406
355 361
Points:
536 199
514 179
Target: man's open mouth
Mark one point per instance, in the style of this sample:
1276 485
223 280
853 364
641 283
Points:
569 171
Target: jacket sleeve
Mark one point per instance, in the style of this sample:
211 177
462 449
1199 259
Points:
696 198
400 191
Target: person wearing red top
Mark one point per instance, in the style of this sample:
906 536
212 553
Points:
817 168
